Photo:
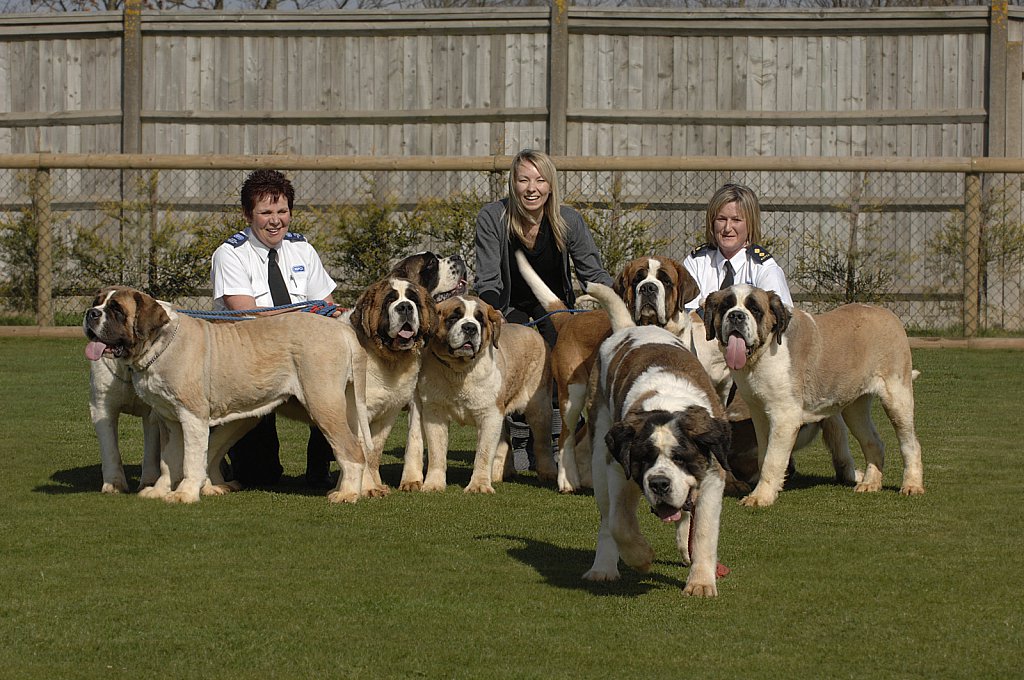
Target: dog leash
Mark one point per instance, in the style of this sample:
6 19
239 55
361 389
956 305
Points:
320 307
557 311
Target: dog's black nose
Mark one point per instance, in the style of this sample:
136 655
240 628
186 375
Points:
92 314
659 484
404 308
469 330
735 316
648 289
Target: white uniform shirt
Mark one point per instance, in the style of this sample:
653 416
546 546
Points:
751 265
240 268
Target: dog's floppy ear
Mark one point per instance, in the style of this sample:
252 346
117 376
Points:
360 318
713 436
495 320
429 320
150 316
619 440
688 288
710 305
781 314
621 285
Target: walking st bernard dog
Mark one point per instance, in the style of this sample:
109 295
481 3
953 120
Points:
477 370
654 290
658 429
196 374
793 368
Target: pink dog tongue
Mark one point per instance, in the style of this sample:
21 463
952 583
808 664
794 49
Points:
736 353
405 334
678 515
94 351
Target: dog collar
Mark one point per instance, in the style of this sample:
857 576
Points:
167 344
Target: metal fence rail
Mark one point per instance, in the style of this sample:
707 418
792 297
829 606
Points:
940 241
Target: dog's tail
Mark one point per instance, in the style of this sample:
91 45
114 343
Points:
618 313
545 296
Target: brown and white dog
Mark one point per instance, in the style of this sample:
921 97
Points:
659 429
654 290
477 370
793 368
195 375
110 394
393 320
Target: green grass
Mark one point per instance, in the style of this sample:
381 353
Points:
279 583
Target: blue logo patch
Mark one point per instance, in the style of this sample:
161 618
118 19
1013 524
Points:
299 268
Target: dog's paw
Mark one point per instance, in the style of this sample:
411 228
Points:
479 487
376 491
152 492
912 489
342 497
868 487
114 487
183 497
759 498
637 553
410 486
601 575
221 489
700 588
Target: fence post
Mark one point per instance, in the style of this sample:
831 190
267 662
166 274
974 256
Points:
41 197
972 252
558 76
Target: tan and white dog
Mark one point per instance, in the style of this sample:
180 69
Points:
195 375
793 368
660 430
477 370
654 289
111 393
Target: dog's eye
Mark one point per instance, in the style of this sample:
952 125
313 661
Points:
453 319
116 311
391 296
665 280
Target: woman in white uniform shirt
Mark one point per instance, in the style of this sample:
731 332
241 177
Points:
732 226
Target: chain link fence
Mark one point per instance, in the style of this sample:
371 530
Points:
943 247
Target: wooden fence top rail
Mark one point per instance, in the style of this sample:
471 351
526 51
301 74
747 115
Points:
500 163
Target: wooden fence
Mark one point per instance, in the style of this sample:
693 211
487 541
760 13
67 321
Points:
916 82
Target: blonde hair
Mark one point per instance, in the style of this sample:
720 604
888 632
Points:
518 219
746 202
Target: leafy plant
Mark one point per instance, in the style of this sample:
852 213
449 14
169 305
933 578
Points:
857 271
621 233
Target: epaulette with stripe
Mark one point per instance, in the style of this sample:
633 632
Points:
758 254
236 240
292 236
702 250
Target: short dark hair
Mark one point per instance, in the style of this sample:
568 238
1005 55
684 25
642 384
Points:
261 184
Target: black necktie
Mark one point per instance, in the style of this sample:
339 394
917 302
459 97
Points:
727 281
278 291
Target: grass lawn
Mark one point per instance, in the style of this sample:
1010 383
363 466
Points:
280 584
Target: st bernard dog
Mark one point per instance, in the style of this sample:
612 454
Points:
477 370
393 319
793 368
195 375
110 394
654 290
659 429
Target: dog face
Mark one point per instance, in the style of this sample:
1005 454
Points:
654 289
669 454
398 315
467 325
121 323
743 320
443 277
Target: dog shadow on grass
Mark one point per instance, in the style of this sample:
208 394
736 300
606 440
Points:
563 567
